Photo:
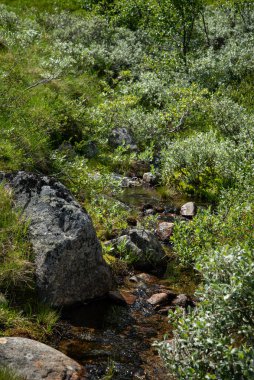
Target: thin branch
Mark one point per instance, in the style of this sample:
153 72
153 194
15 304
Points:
181 122
43 81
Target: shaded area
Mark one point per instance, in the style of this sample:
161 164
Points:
104 334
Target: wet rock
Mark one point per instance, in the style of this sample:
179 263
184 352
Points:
35 361
131 182
147 278
188 209
149 211
133 279
158 299
164 310
165 230
128 297
122 297
117 298
68 257
181 300
121 137
144 249
149 178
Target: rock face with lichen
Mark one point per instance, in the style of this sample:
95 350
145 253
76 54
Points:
145 250
35 361
69 263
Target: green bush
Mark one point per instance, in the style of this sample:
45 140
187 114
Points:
215 341
201 164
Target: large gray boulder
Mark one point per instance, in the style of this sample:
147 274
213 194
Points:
36 361
68 256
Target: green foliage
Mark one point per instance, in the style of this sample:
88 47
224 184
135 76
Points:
8 374
46 317
16 270
17 284
215 341
110 371
178 75
219 333
200 164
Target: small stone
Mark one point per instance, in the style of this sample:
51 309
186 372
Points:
165 230
158 299
128 297
130 182
134 279
147 278
159 209
180 300
117 298
188 209
171 294
164 310
150 211
146 206
149 178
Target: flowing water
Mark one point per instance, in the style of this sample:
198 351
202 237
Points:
113 339
110 338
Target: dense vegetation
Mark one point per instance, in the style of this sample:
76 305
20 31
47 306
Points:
178 75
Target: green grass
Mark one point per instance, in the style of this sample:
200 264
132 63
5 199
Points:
16 269
44 5
7 374
20 311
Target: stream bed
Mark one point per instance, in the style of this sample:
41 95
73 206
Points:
113 337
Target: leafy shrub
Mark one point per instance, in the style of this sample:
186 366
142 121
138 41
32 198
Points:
201 164
215 341
230 118
229 225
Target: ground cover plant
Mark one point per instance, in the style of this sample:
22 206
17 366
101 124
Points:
20 312
178 76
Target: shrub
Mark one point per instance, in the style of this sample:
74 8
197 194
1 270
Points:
201 164
215 341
